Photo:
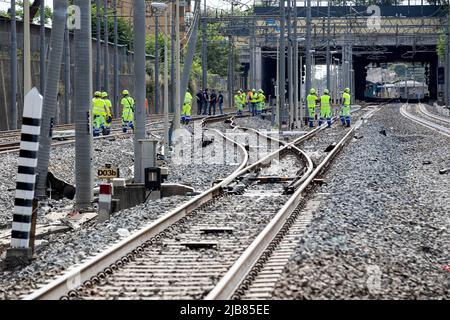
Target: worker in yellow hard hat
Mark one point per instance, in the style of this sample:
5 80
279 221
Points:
108 120
127 112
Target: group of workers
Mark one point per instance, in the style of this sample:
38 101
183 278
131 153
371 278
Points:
325 108
102 113
254 100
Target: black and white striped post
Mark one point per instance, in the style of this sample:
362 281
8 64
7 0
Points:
21 250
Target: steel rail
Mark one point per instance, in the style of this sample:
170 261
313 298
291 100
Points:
230 283
83 273
431 125
424 110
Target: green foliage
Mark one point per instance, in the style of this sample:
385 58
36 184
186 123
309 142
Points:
36 20
125 34
441 46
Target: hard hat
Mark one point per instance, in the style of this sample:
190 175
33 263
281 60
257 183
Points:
347 90
125 92
261 91
104 94
239 91
98 94
312 91
326 91
254 90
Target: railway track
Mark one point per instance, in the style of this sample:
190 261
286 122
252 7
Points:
167 259
418 114
12 147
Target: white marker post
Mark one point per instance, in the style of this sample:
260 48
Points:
104 202
24 219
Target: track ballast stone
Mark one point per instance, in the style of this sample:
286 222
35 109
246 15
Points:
382 229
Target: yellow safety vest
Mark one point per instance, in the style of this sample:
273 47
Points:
99 107
325 102
347 99
254 98
188 98
108 106
312 98
128 102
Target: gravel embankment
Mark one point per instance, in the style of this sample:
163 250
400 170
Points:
382 229
438 110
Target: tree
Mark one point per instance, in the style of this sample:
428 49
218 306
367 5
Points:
19 14
124 31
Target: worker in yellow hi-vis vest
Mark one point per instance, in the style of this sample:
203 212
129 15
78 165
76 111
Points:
108 120
325 108
311 100
99 113
187 107
127 112
345 111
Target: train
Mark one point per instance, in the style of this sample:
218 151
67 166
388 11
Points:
401 90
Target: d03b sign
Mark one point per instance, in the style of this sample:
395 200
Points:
108 173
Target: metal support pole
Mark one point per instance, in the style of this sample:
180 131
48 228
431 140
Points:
290 66
67 85
172 59
27 83
177 113
116 61
296 70
328 48
447 63
282 77
83 94
51 93
42 55
13 94
166 85
98 75
204 50
106 52
140 85
308 80
277 91
156 63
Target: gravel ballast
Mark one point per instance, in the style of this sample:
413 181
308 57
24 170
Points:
382 229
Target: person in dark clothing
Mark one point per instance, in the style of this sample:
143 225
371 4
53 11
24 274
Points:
205 101
199 97
221 102
212 102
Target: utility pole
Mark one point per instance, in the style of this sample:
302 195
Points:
51 93
328 48
42 46
83 93
204 50
166 86
140 87
177 113
230 62
116 61
67 84
308 53
26 48
98 75
156 62
282 61
13 103
290 66
296 70
106 52
172 58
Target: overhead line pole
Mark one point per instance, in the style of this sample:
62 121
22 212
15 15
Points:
98 75
106 39
116 61
156 62
13 93
42 55
140 85
328 48
177 113
27 83
282 61
296 70
82 99
308 79
290 66
50 96
204 49
67 84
